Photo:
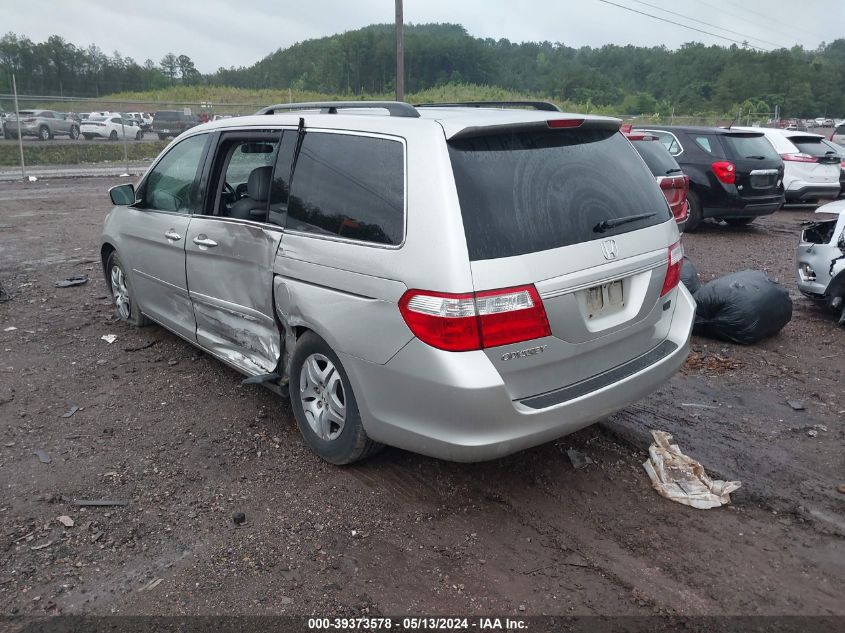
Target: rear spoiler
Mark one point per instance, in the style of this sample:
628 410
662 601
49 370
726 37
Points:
550 125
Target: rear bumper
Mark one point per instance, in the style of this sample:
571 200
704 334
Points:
25 129
812 192
455 406
732 205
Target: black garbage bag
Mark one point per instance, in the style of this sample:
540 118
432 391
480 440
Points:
689 276
744 307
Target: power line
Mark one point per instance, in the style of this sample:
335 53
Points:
762 17
721 28
691 28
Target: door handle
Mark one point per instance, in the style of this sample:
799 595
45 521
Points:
172 235
201 240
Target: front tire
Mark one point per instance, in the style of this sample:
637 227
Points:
74 133
161 137
88 137
324 405
694 218
44 133
113 135
122 293
139 136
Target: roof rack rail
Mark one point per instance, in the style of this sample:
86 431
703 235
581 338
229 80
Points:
394 108
545 106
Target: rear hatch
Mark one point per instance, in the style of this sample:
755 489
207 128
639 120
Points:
821 162
556 210
759 168
168 121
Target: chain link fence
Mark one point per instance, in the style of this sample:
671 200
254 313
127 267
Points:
58 141
65 148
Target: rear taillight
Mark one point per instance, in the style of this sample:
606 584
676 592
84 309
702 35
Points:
472 321
725 171
673 272
799 158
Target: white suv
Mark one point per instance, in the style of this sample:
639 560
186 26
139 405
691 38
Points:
811 168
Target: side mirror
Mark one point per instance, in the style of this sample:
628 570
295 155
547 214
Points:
122 195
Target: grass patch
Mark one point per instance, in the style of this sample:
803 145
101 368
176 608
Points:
77 153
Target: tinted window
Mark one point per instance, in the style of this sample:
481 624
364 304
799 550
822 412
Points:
749 146
349 186
810 145
280 188
840 129
522 193
171 185
704 143
167 115
46 114
658 159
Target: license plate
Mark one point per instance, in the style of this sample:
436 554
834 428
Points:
763 182
604 298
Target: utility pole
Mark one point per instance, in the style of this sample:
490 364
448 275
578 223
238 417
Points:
400 53
18 121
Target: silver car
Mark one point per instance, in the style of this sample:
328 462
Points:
820 258
44 124
462 282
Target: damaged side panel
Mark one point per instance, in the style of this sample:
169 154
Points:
356 314
229 265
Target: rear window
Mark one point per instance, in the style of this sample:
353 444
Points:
810 145
749 146
656 156
165 115
523 193
840 129
349 186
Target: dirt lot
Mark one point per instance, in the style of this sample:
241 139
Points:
170 430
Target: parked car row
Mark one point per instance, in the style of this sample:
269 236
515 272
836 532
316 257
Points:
48 124
737 174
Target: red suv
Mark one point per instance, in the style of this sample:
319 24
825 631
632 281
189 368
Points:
673 183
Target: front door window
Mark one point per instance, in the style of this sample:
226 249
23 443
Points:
172 184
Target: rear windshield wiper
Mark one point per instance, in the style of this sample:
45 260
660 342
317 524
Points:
604 225
673 170
757 157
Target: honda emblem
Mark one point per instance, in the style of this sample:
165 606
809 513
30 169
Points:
609 249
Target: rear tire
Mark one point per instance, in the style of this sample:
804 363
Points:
88 137
161 137
44 133
122 292
113 135
324 405
738 221
139 136
74 133
694 218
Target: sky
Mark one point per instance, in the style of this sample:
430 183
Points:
215 33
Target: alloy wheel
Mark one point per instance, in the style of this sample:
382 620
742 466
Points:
323 397
120 292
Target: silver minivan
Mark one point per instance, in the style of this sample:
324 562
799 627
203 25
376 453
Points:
455 280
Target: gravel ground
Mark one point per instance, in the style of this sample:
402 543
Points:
171 431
